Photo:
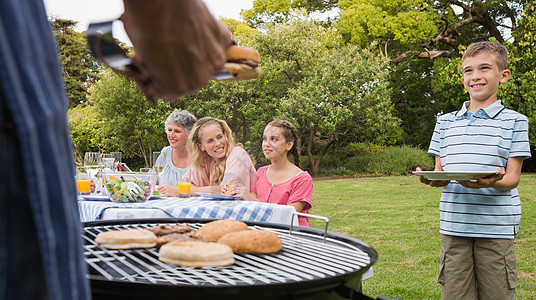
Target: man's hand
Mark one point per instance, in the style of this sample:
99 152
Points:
179 45
433 183
483 182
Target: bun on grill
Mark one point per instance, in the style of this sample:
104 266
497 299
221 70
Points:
126 239
252 241
214 230
196 254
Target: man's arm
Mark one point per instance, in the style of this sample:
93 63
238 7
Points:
178 44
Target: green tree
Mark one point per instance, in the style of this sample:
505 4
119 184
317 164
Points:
80 70
84 123
280 11
520 92
419 37
129 122
403 28
346 94
241 32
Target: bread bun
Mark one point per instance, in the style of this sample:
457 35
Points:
196 254
252 241
126 239
242 63
238 53
214 230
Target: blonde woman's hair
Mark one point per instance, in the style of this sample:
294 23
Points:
199 158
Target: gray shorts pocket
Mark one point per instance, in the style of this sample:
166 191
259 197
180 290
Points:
511 270
441 277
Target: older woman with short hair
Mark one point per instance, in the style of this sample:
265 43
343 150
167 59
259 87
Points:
177 163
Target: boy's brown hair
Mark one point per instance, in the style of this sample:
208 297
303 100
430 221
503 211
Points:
499 51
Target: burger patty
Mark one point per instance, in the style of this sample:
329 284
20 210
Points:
178 237
244 61
165 229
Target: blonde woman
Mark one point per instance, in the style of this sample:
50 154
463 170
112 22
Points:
216 160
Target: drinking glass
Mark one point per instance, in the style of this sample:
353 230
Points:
92 159
108 161
184 187
117 159
93 164
116 156
159 159
83 181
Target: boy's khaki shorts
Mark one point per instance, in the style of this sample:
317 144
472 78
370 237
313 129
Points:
477 268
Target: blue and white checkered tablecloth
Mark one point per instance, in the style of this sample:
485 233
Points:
194 207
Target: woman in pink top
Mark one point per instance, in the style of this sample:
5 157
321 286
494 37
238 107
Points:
215 158
282 182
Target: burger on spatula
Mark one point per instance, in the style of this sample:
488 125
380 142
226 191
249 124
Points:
242 64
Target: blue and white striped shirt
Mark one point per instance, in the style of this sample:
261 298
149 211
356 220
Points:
32 87
480 142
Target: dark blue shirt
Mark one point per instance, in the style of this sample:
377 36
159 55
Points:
31 84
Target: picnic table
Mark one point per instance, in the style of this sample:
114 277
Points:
193 207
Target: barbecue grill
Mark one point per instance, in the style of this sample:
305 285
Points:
313 264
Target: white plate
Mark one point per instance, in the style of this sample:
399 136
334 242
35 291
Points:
106 198
95 198
217 196
453 175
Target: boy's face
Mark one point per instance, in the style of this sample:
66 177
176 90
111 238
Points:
482 77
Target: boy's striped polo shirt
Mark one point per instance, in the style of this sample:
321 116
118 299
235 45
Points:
479 142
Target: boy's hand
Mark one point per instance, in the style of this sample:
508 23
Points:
483 182
433 183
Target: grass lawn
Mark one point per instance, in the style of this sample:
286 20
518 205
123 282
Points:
399 217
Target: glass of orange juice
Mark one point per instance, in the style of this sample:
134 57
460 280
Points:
184 188
83 181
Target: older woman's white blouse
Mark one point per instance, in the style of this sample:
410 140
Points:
171 174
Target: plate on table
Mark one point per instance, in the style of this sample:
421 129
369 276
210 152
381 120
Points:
106 198
453 175
95 197
217 196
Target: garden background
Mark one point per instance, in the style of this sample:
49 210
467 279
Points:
364 88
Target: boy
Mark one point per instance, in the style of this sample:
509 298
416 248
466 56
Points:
479 219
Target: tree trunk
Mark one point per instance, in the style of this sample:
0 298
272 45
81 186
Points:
315 162
309 151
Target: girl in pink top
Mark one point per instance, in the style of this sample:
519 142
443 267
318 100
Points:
282 182
215 158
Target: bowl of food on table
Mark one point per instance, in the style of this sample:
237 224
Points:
129 187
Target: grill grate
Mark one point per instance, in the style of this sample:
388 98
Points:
304 257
